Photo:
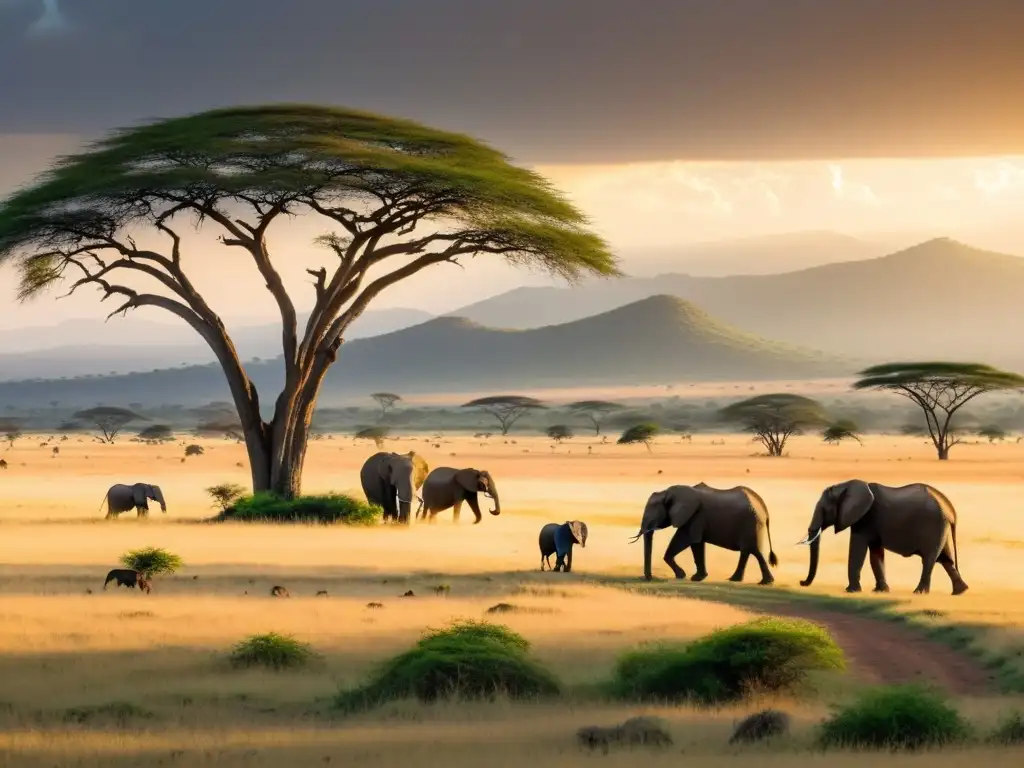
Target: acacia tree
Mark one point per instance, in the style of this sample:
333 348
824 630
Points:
108 420
377 434
394 192
507 409
644 433
939 389
559 432
844 429
386 401
156 433
11 430
595 411
773 418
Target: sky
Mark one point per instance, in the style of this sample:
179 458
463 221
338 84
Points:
668 122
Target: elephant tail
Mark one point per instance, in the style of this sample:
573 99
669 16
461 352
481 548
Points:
773 561
956 557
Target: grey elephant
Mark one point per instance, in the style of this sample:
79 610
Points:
909 520
731 518
558 539
447 487
121 498
389 477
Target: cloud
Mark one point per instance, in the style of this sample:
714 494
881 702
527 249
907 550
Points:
852 191
51 23
1002 180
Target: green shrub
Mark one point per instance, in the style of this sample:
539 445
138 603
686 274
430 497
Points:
766 654
329 508
271 650
225 494
469 660
151 561
1010 731
897 717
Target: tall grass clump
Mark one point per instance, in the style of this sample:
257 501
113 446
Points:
767 654
327 508
896 717
468 660
1010 731
152 561
272 651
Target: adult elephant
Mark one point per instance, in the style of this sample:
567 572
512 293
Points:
120 498
914 519
731 518
389 477
448 487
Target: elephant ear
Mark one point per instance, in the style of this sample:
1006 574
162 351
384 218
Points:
579 531
683 503
385 467
469 479
855 499
139 495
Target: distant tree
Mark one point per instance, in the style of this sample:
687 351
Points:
844 429
228 427
157 433
913 430
109 420
559 432
386 401
595 411
12 433
399 197
773 418
225 494
378 434
992 433
939 389
644 433
194 450
507 409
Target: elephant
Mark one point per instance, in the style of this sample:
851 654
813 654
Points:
557 539
126 577
447 487
731 518
120 498
389 477
914 519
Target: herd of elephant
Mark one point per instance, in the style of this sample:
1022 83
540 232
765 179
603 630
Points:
910 520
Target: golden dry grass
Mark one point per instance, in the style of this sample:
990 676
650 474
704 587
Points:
62 648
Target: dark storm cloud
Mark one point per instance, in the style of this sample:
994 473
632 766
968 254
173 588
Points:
549 80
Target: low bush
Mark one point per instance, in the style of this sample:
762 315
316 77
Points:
225 494
469 660
1010 731
763 655
152 561
271 650
328 508
897 717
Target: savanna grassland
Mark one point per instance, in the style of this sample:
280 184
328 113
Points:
117 678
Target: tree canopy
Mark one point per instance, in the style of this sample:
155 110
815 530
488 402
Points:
109 420
394 192
940 389
644 433
774 418
844 429
595 411
386 401
559 432
507 409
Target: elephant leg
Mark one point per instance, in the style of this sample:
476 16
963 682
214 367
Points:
474 504
568 561
946 561
766 574
456 509
927 566
741 567
698 560
680 541
855 564
877 561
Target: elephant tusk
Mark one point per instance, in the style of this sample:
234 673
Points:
808 539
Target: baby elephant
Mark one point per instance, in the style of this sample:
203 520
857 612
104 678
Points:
558 539
125 577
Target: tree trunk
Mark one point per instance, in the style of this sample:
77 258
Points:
943 453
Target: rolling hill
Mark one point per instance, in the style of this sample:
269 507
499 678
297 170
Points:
938 299
658 340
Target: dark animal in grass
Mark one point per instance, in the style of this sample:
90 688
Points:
3 464
410 593
126 577
374 605
322 593
279 591
558 539
761 725
637 731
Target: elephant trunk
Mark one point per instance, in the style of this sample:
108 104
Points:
404 494
648 546
494 497
813 570
158 495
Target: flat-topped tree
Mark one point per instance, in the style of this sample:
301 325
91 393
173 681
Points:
507 409
595 411
773 418
400 197
939 389
386 401
109 420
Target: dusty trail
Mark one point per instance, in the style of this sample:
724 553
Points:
887 653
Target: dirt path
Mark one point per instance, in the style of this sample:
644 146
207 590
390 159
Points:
883 652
